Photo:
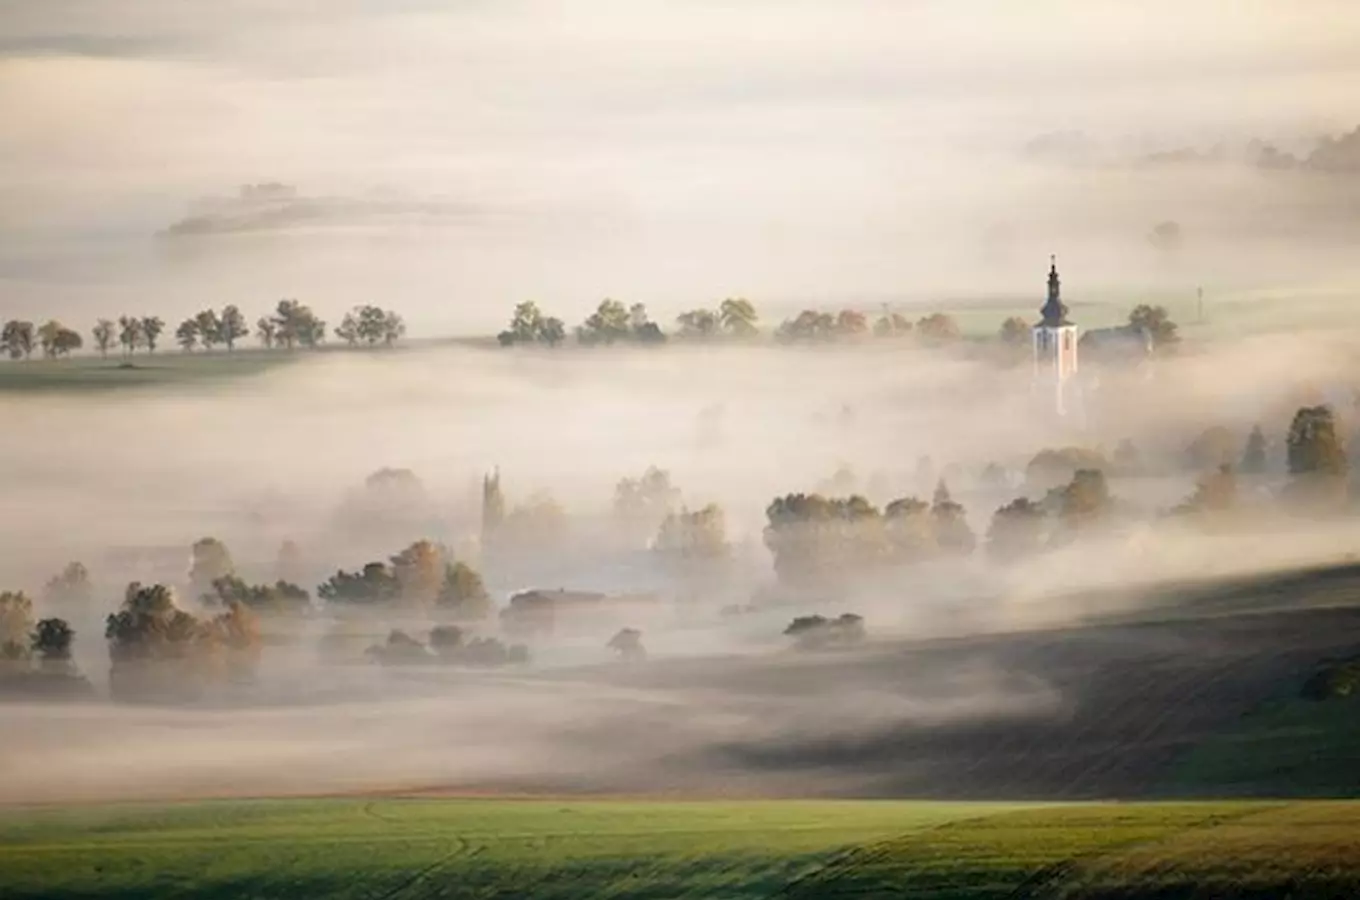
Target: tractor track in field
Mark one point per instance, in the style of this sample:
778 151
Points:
1041 881
865 853
463 850
1035 886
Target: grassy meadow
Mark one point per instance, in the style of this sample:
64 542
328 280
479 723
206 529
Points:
413 848
166 368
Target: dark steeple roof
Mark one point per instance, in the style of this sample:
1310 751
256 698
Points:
1054 311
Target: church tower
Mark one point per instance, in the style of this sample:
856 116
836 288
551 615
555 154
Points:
493 507
1055 345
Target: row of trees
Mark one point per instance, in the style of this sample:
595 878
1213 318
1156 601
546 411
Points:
811 536
814 536
736 318
291 325
19 339
423 576
161 650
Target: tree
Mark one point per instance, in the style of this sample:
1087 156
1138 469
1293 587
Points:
1156 322
1019 529
697 535
51 642
451 645
1085 500
821 633
374 584
312 333
892 324
130 334
447 640
609 323
16 618
1254 454
400 650
187 334
370 324
237 631
627 643
910 529
463 593
641 328
209 328
296 325
17 339
808 325
157 649
210 560
47 337
71 585
1314 448
811 536
553 331
526 323
57 340
938 328
644 501
152 326
393 328
738 317
952 534
1015 332
348 329
1216 492
851 322
231 327
419 570
1317 458
281 598
698 324
265 330
103 334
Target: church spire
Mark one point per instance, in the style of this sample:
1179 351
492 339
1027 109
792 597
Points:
1054 311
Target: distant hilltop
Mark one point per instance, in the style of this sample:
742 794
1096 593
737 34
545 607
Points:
276 206
1328 155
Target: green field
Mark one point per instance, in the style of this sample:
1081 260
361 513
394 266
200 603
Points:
356 848
167 368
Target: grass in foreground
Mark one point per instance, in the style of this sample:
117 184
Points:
549 849
440 848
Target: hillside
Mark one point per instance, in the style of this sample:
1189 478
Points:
1105 710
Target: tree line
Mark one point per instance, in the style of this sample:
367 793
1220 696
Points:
291 325
736 319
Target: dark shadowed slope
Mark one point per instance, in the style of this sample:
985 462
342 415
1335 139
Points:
1106 710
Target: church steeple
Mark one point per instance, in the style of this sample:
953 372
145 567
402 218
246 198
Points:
1054 310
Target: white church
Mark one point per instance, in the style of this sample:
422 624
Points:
1055 348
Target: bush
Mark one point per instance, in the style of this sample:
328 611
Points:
821 633
1334 681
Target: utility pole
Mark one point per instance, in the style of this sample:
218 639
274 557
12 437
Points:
1199 305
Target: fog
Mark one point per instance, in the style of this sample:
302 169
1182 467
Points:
449 160
282 455
664 152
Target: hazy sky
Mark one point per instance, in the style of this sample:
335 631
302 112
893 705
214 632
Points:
670 152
